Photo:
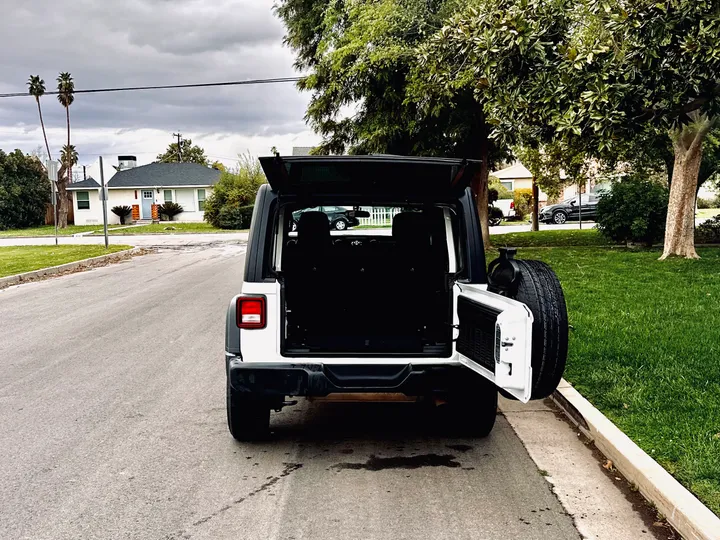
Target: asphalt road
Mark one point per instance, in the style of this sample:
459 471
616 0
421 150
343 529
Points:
112 410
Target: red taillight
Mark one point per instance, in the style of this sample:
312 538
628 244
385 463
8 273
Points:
512 205
251 312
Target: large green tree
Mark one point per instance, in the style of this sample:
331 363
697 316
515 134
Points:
360 57
604 73
187 152
66 96
36 88
24 191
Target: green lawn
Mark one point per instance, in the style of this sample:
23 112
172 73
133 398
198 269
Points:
49 230
704 213
19 259
572 237
168 228
645 350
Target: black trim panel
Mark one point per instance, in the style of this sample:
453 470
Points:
258 254
298 379
476 338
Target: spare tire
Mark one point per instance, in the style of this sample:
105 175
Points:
537 286
539 289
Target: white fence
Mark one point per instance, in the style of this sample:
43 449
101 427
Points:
379 216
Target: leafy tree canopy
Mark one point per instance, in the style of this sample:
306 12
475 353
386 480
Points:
188 153
24 191
235 191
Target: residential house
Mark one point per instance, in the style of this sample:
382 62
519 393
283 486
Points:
187 184
517 176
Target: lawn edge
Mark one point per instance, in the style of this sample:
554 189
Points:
16 279
683 510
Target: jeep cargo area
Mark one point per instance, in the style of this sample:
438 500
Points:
400 302
368 295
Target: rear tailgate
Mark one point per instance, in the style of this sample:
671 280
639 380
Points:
378 176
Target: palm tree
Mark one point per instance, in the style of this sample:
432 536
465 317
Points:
69 155
36 88
66 89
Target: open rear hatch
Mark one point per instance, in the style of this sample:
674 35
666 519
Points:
377 176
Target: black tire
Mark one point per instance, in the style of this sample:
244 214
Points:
248 417
559 218
494 222
340 225
470 409
539 289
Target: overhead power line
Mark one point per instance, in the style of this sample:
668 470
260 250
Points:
164 87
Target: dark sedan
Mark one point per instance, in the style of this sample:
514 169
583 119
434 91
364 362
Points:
571 209
339 218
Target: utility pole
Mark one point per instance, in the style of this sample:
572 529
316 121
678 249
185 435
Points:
103 198
179 138
84 173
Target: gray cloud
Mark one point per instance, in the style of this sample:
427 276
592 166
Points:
140 42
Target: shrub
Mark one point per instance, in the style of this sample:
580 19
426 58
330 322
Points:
633 211
170 209
235 217
708 232
492 195
227 206
523 202
502 191
122 212
24 191
496 212
706 203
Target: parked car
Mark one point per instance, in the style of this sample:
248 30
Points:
339 218
416 312
507 206
570 209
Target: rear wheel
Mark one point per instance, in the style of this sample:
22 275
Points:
470 409
248 417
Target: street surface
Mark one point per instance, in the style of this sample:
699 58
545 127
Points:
112 406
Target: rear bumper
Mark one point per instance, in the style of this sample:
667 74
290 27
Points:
317 379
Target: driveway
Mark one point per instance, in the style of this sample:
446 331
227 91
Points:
113 426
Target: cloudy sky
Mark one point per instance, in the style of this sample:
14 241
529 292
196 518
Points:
149 42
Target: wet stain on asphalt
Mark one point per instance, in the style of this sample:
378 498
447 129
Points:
460 447
288 469
375 463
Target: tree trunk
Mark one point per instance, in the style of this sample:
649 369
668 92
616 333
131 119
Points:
535 206
480 188
680 223
63 206
42 125
62 202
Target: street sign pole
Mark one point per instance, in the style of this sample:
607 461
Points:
52 171
103 197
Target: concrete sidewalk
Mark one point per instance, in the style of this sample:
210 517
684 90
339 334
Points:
144 240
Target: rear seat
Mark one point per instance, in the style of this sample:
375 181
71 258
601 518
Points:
308 264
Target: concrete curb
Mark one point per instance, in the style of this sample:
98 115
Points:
68 267
690 517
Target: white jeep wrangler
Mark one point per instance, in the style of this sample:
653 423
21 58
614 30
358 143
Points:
412 309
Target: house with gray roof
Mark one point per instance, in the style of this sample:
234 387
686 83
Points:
187 184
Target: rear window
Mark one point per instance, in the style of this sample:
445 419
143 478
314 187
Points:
371 225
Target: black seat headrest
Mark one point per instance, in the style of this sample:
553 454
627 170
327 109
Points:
313 229
411 228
